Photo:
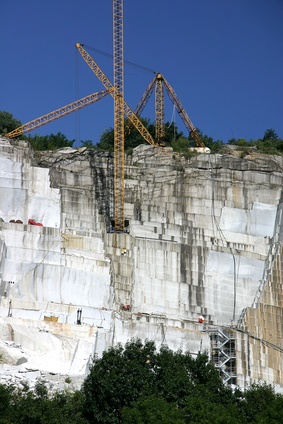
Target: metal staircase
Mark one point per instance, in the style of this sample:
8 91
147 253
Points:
223 354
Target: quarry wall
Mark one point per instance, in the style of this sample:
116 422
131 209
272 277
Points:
204 239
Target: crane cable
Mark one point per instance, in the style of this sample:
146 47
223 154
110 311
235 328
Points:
173 121
216 223
144 68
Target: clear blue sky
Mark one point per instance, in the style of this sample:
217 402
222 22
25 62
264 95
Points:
224 59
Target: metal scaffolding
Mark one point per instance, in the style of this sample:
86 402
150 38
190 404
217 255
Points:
223 354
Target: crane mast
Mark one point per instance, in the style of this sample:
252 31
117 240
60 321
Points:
159 106
159 109
108 85
159 82
118 54
120 109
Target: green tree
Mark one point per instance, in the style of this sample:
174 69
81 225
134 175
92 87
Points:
116 380
139 384
232 141
270 143
173 374
6 396
273 413
172 133
124 376
257 401
269 147
88 143
152 410
50 142
133 138
38 407
181 145
8 123
214 146
270 134
200 410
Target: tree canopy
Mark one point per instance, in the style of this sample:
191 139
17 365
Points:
50 142
133 138
8 122
139 384
270 143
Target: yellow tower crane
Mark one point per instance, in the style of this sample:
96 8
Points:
121 108
118 55
133 118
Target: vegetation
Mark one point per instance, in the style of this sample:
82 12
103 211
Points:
50 142
23 406
133 138
8 122
138 384
270 143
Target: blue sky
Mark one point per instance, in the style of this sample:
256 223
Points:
223 58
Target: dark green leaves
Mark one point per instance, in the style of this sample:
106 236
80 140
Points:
50 142
8 123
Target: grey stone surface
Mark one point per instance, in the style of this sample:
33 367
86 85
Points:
200 242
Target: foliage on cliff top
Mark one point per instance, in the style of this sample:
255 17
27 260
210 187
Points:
8 122
270 143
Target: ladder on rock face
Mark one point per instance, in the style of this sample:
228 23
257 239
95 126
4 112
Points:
223 354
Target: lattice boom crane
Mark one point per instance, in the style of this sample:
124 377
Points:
118 50
134 119
158 82
58 113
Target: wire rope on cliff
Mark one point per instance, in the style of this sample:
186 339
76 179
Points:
259 339
216 224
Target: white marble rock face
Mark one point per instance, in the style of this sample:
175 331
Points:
199 243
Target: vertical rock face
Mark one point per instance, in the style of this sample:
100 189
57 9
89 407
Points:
202 241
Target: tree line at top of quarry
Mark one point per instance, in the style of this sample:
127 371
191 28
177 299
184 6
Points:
270 143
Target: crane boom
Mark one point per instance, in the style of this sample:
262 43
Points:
58 113
141 104
107 84
159 106
183 114
145 97
158 82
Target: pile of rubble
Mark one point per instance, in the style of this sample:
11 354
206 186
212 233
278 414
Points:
21 377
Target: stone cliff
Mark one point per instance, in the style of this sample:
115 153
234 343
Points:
204 240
